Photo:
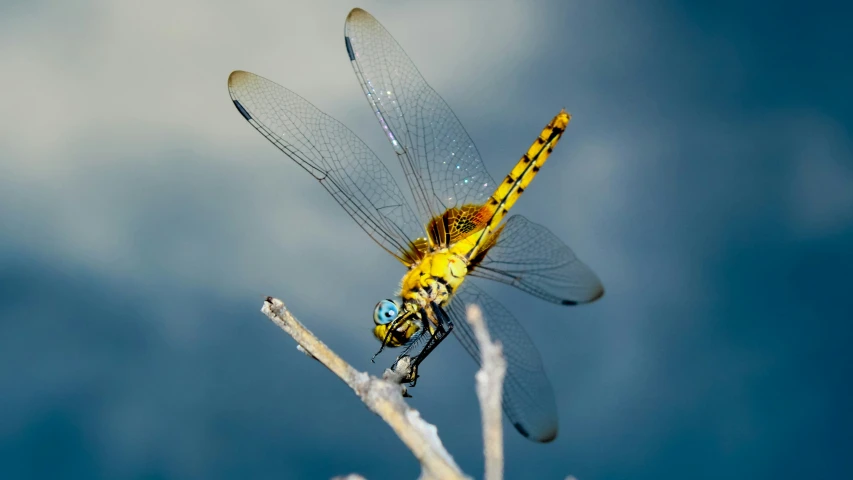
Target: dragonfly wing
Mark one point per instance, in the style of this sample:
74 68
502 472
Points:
334 155
528 399
441 162
528 256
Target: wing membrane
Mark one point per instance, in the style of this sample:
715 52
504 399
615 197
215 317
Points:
441 162
528 399
334 155
529 257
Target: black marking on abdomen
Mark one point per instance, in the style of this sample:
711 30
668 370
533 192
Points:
569 302
535 168
242 110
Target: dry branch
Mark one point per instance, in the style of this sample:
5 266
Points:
490 379
383 397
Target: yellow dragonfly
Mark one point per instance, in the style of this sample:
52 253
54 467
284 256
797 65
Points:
456 230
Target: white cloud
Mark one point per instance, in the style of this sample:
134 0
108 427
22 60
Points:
115 67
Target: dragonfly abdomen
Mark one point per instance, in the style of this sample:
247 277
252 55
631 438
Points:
516 181
522 174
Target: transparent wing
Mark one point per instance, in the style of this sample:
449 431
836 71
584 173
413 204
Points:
442 165
528 399
334 155
529 257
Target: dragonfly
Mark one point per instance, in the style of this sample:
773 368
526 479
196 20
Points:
456 229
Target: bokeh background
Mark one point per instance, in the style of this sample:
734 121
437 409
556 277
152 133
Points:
707 177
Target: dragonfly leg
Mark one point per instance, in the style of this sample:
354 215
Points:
382 347
443 328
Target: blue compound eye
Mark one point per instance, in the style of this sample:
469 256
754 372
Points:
385 312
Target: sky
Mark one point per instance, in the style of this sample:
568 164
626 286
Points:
706 177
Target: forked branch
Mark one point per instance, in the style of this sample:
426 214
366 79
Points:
384 396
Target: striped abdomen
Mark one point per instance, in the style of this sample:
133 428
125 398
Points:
522 174
517 181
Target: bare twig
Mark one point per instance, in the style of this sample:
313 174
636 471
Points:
490 379
383 397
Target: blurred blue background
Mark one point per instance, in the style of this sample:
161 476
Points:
707 177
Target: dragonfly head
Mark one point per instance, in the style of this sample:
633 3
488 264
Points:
395 326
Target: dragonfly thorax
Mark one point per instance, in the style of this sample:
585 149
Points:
434 278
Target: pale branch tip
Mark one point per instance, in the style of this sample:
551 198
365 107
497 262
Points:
490 380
